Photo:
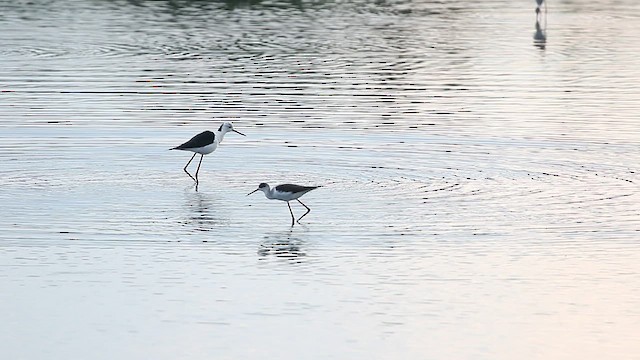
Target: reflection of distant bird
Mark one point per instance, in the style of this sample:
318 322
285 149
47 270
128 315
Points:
286 192
540 34
539 4
540 37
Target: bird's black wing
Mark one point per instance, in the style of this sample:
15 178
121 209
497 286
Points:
203 139
292 188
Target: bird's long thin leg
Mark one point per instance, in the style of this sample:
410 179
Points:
308 210
198 170
185 168
293 219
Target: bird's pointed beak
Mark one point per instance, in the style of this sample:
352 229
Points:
253 191
234 130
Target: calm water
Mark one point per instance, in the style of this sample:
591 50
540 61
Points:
480 193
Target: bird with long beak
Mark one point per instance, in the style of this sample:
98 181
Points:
205 143
286 192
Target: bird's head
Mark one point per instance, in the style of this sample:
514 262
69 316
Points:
226 127
264 187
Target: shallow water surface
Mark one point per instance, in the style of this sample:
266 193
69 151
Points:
479 190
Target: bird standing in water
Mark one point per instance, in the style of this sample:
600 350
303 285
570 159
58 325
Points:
286 192
205 143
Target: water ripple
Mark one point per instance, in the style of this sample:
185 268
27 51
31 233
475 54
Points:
470 176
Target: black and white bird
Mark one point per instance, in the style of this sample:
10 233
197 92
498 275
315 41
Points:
205 143
286 192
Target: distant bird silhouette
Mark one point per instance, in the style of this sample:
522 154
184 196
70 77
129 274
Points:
205 143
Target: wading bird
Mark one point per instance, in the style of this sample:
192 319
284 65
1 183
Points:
205 143
286 192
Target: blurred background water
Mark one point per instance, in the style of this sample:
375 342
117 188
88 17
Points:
479 172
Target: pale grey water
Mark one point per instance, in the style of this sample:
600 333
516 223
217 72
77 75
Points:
479 200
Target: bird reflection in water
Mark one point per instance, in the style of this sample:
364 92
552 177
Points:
283 245
540 36
202 214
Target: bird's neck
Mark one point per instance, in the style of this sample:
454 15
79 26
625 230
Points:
220 136
270 193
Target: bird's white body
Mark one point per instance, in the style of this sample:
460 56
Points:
206 149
